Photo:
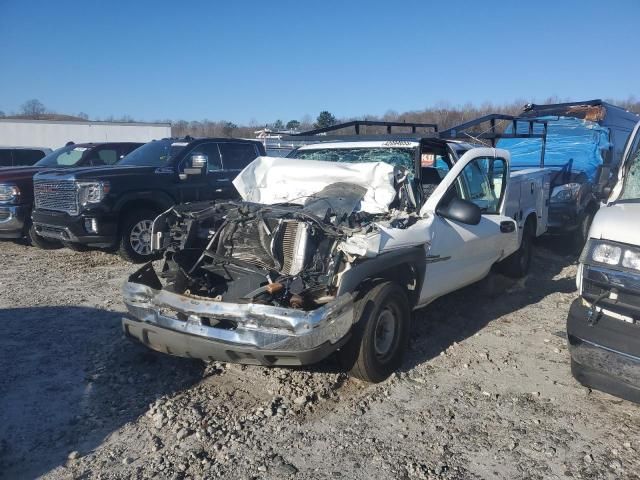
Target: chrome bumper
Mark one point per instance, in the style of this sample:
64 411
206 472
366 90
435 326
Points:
12 221
245 327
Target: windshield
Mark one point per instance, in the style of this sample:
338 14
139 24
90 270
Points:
402 157
631 187
154 154
63 157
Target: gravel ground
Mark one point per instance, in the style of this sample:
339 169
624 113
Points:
485 391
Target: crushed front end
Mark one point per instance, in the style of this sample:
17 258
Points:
251 283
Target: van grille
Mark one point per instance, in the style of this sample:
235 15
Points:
59 195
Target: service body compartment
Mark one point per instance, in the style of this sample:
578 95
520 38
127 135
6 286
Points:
528 194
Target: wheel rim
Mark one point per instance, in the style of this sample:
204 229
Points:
140 237
385 333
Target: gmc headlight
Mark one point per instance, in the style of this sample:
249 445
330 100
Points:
565 193
8 193
612 254
92 192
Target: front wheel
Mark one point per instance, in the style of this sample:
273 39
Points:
135 237
41 242
380 335
517 264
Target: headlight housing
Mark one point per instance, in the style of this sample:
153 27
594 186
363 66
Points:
612 254
9 193
565 193
92 192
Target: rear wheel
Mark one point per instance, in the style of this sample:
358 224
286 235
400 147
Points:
517 264
380 335
41 242
135 237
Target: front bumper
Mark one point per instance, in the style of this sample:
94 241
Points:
605 356
61 226
196 327
13 220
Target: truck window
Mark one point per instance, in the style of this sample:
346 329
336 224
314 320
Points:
482 183
5 158
236 156
27 157
402 157
107 156
213 156
631 188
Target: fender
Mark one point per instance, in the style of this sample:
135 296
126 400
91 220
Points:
372 267
158 197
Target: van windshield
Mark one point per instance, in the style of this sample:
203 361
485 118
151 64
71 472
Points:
631 187
157 153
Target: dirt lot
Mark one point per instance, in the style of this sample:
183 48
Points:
485 391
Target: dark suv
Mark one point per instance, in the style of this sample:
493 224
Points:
115 207
16 184
21 156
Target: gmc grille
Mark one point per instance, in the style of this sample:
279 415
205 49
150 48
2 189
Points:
59 195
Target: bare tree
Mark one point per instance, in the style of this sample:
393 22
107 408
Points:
83 116
33 108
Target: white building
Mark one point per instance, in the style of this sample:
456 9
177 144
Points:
56 133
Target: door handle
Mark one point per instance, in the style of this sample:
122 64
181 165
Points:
223 180
507 226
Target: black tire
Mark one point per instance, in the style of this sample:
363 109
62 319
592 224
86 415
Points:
76 247
40 242
128 248
581 235
370 355
518 263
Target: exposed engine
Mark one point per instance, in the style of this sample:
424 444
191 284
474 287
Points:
284 255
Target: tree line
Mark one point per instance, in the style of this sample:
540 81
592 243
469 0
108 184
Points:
444 114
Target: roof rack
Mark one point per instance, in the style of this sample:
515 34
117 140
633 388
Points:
491 134
366 123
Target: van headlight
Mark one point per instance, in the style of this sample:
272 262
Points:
8 193
612 254
92 192
565 193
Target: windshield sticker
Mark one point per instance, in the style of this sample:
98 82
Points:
180 144
81 149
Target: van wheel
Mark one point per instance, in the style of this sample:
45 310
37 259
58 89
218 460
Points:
135 236
518 263
41 242
380 335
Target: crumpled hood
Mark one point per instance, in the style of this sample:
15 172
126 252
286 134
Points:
617 222
270 180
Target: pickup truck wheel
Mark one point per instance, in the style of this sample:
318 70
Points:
517 264
135 237
41 242
380 335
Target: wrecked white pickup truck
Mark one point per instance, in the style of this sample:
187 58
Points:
321 257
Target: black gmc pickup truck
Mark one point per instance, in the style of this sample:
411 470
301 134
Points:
115 207
16 184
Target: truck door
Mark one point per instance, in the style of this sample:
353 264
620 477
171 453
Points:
212 182
235 157
460 254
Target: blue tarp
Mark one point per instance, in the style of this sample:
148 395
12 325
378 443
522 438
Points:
568 139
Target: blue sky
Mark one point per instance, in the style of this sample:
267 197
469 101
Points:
259 61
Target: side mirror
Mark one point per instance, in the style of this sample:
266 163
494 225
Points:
462 211
199 160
